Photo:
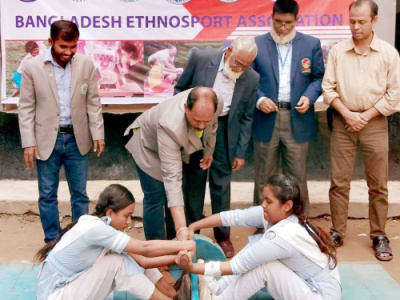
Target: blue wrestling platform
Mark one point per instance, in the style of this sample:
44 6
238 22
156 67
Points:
360 280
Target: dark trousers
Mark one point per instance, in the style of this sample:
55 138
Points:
156 215
194 182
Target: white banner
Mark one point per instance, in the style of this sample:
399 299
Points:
128 40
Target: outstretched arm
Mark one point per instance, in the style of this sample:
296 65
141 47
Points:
159 247
211 221
153 262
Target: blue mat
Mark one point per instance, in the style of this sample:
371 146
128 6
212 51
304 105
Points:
361 281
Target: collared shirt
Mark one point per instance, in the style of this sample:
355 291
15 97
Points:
224 86
285 63
63 84
272 246
363 80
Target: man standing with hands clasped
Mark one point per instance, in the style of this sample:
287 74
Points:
59 116
362 84
291 68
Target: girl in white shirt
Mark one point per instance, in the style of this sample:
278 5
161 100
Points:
292 259
93 256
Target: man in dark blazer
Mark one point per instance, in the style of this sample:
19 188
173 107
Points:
230 75
291 68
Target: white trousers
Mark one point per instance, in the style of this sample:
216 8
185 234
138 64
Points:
107 274
280 281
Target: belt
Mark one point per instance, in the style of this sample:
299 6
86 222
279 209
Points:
284 105
66 129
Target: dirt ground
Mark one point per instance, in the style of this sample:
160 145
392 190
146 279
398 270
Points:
21 236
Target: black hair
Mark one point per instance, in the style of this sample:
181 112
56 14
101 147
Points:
114 197
64 30
286 6
130 48
201 91
30 46
285 188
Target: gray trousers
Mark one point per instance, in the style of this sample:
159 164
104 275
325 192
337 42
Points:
282 150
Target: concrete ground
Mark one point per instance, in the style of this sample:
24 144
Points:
20 196
21 234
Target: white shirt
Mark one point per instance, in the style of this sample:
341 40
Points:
284 53
224 87
271 246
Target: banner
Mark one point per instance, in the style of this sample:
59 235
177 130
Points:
139 47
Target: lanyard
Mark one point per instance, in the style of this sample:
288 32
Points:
283 62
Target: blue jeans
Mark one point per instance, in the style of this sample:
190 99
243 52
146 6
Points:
154 206
65 153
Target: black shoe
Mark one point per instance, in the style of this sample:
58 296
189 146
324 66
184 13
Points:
336 239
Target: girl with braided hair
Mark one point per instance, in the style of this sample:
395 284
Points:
292 259
93 256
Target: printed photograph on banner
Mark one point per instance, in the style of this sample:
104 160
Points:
120 69
17 54
326 46
166 62
164 70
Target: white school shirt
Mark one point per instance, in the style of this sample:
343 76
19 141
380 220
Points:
272 246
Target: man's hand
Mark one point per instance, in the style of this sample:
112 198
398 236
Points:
98 146
355 121
267 106
183 234
303 105
29 154
206 161
238 163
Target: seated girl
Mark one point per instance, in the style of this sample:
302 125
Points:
292 259
93 256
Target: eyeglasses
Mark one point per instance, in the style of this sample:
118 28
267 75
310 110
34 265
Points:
239 64
287 25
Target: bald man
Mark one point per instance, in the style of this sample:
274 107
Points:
164 136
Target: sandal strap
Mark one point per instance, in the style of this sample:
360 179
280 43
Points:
380 239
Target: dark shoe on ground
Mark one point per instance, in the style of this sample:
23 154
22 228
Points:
259 231
227 247
168 277
337 240
381 246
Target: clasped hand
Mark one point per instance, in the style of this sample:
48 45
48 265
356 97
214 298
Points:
355 121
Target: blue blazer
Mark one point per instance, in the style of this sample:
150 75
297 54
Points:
305 82
201 70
